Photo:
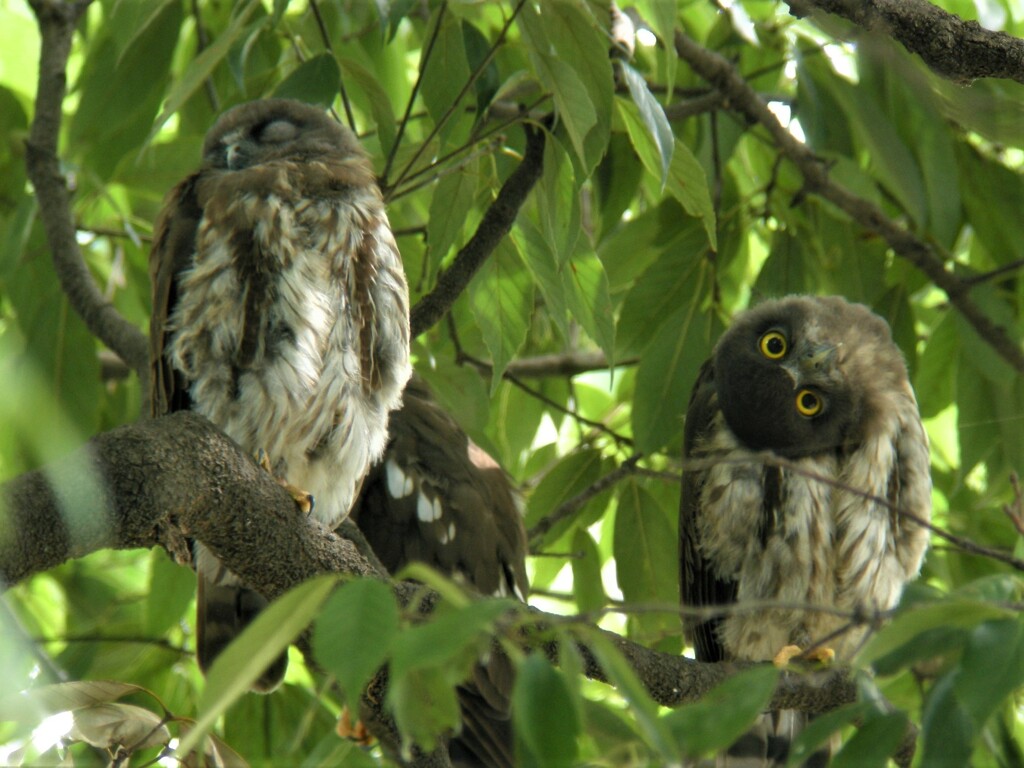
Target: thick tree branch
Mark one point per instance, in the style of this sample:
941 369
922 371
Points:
57 22
154 482
926 257
496 223
954 48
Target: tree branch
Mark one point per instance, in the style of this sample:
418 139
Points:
154 482
952 47
57 22
496 223
741 97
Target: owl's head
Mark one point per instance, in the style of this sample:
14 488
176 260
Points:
800 375
275 129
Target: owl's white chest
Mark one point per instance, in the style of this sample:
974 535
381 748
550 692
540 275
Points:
266 331
815 547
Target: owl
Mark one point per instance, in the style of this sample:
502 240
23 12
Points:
438 498
281 313
802 443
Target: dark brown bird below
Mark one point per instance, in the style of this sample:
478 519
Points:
438 498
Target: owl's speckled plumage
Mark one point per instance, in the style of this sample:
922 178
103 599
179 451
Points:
280 312
751 530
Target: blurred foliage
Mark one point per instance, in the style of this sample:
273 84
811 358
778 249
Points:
641 240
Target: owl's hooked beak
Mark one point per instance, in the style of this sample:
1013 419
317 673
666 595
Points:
813 364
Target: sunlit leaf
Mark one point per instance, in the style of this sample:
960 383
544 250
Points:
242 662
546 718
359 610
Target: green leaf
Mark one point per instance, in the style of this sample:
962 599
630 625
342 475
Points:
667 284
545 713
949 613
653 116
236 669
376 98
586 292
587 585
558 203
176 587
444 75
668 370
686 181
540 259
452 199
875 740
424 704
570 56
114 724
38 703
315 81
992 668
646 559
203 65
501 293
60 352
724 713
361 609
620 674
818 732
947 732
128 83
445 639
891 160
569 477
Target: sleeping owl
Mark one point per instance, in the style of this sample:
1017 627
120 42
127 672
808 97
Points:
281 313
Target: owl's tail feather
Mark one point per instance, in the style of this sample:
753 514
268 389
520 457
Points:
222 612
767 743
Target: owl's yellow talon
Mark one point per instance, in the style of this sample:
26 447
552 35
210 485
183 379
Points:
788 653
303 499
821 653
353 731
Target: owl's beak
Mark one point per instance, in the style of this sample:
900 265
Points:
231 155
812 364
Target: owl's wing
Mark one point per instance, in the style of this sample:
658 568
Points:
698 584
173 248
438 499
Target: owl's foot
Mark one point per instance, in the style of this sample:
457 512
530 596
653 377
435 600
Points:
303 499
353 731
790 652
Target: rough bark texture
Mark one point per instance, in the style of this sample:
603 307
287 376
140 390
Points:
954 48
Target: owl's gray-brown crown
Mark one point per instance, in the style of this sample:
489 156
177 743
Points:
275 129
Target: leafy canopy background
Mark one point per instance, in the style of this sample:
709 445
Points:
662 209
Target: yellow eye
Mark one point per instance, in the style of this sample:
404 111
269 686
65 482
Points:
773 345
808 404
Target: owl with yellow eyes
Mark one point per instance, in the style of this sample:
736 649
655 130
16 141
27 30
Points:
805 469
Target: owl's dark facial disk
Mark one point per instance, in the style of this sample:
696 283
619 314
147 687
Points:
781 385
274 129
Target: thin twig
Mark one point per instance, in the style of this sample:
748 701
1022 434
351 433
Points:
385 185
569 507
473 77
315 7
